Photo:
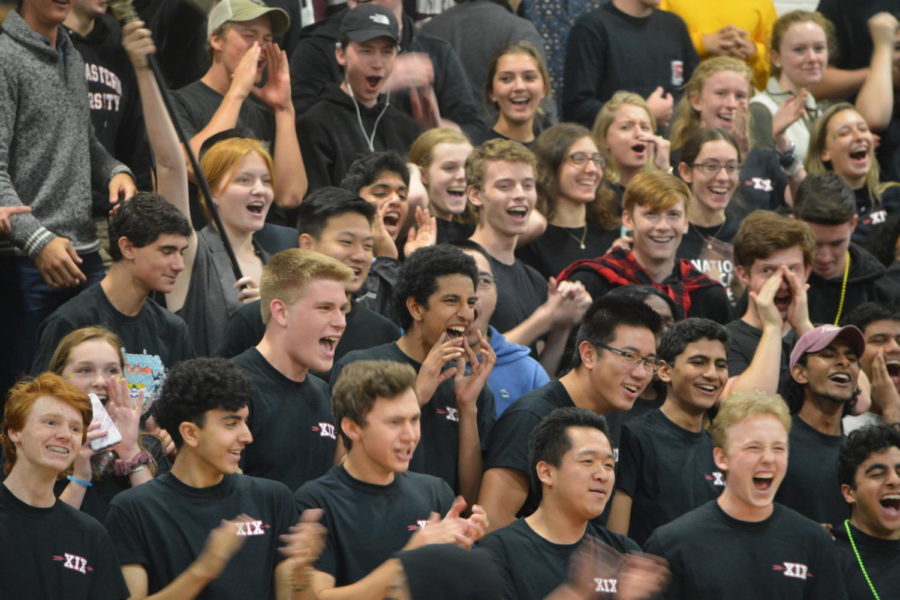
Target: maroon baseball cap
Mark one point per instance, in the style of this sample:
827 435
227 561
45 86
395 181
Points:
820 337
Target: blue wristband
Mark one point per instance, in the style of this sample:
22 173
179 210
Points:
80 481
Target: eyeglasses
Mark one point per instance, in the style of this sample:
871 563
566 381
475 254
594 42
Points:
485 281
579 159
651 365
711 167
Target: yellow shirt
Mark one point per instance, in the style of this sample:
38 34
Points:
708 16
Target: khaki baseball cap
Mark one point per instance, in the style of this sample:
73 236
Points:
240 11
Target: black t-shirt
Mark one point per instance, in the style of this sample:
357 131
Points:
153 340
56 552
507 447
451 231
520 291
438 450
196 103
712 555
873 213
888 152
365 328
558 247
762 183
100 494
532 566
294 438
881 558
163 525
811 485
666 470
366 522
711 251
743 339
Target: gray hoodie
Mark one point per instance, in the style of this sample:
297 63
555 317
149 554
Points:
48 152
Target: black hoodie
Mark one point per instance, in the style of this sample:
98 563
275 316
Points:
331 137
866 282
115 103
314 67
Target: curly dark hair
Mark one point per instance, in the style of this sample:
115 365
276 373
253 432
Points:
860 444
600 321
419 274
680 334
549 441
142 219
196 386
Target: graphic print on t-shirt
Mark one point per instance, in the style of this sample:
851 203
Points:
717 478
717 261
451 413
73 562
793 569
325 430
420 524
144 372
101 77
250 528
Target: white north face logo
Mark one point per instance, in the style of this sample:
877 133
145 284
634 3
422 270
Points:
381 20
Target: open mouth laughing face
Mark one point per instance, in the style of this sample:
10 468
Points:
883 337
389 194
624 138
367 66
445 178
518 87
875 496
849 146
755 462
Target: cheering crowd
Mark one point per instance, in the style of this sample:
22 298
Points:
398 299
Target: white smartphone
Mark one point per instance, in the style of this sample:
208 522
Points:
102 417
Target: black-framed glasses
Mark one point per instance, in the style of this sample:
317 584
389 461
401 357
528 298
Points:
650 364
711 167
579 159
